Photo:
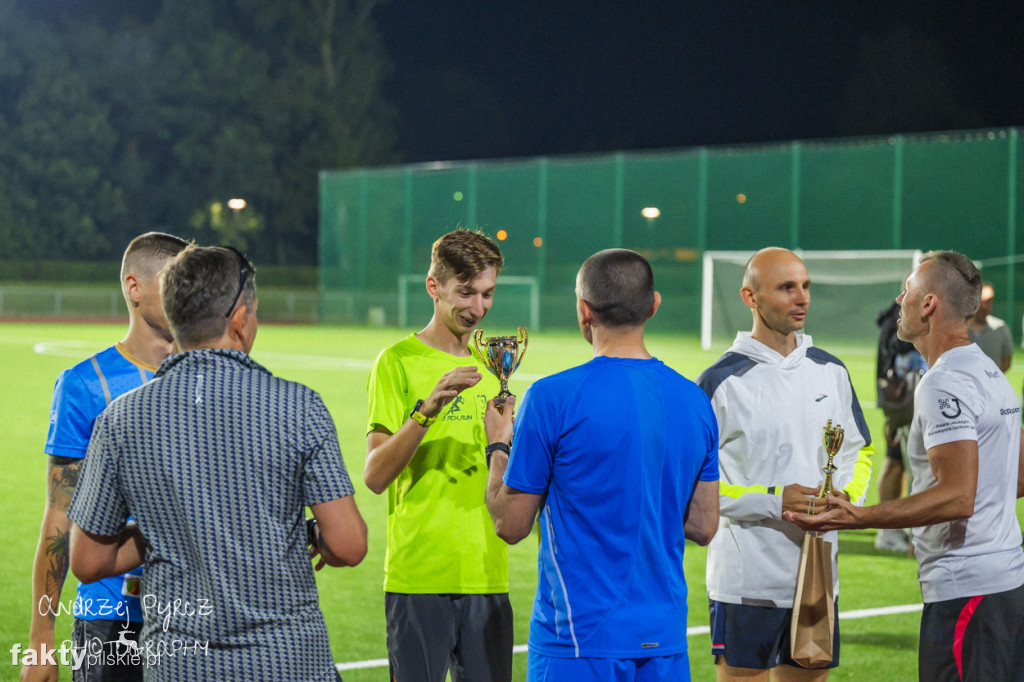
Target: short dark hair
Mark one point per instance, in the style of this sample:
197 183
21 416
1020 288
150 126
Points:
463 254
958 279
147 249
619 286
199 286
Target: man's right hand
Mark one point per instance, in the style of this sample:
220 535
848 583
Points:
451 383
40 672
498 423
388 453
800 498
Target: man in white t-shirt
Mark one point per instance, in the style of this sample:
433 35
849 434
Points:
964 450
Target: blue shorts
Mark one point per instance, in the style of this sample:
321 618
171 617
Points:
757 636
541 668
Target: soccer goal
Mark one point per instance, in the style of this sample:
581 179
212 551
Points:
517 303
848 290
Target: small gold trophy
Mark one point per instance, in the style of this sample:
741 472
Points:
833 440
501 355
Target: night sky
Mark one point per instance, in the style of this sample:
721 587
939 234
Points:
494 79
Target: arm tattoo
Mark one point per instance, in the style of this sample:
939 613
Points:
57 546
63 474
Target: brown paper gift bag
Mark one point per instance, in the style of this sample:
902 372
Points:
814 614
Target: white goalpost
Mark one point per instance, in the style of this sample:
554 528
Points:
848 289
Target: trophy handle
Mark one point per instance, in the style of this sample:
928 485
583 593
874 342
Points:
477 336
520 348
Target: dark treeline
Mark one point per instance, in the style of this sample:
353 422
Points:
115 121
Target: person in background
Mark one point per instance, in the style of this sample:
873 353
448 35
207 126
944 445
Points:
899 369
107 610
990 333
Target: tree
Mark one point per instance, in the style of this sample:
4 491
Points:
278 92
55 145
152 119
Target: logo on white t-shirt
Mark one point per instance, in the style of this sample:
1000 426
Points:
944 405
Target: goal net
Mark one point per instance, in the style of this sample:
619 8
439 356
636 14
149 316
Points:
848 290
516 303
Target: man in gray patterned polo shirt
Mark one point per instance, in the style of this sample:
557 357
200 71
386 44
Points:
216 460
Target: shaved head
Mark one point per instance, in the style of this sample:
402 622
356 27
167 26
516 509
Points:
955 278
145 256
765 261
148 253
777 290
619 286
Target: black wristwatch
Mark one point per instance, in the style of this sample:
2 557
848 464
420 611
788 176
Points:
312 536
489 450
420 418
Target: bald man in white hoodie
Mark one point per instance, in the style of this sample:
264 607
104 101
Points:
773 393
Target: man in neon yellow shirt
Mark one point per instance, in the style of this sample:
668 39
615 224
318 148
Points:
445 571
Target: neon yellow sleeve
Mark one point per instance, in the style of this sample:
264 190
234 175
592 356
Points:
861 474
735 491
750 502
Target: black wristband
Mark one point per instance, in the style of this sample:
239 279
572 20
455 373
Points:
489 450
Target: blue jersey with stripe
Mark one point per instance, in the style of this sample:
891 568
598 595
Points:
79 396
617 445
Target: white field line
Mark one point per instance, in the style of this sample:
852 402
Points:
273 360
81 349
65 349
690 632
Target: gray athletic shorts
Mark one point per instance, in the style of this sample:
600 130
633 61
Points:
108 658
469 635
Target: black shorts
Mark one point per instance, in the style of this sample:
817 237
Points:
973 639
757 636
468 635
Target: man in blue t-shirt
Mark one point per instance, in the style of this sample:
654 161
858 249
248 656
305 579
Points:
620 457
106 611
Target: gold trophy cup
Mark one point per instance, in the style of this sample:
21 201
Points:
501 355
833 440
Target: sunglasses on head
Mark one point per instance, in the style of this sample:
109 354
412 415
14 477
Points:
245 269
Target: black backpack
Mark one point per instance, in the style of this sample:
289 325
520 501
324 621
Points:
895 386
